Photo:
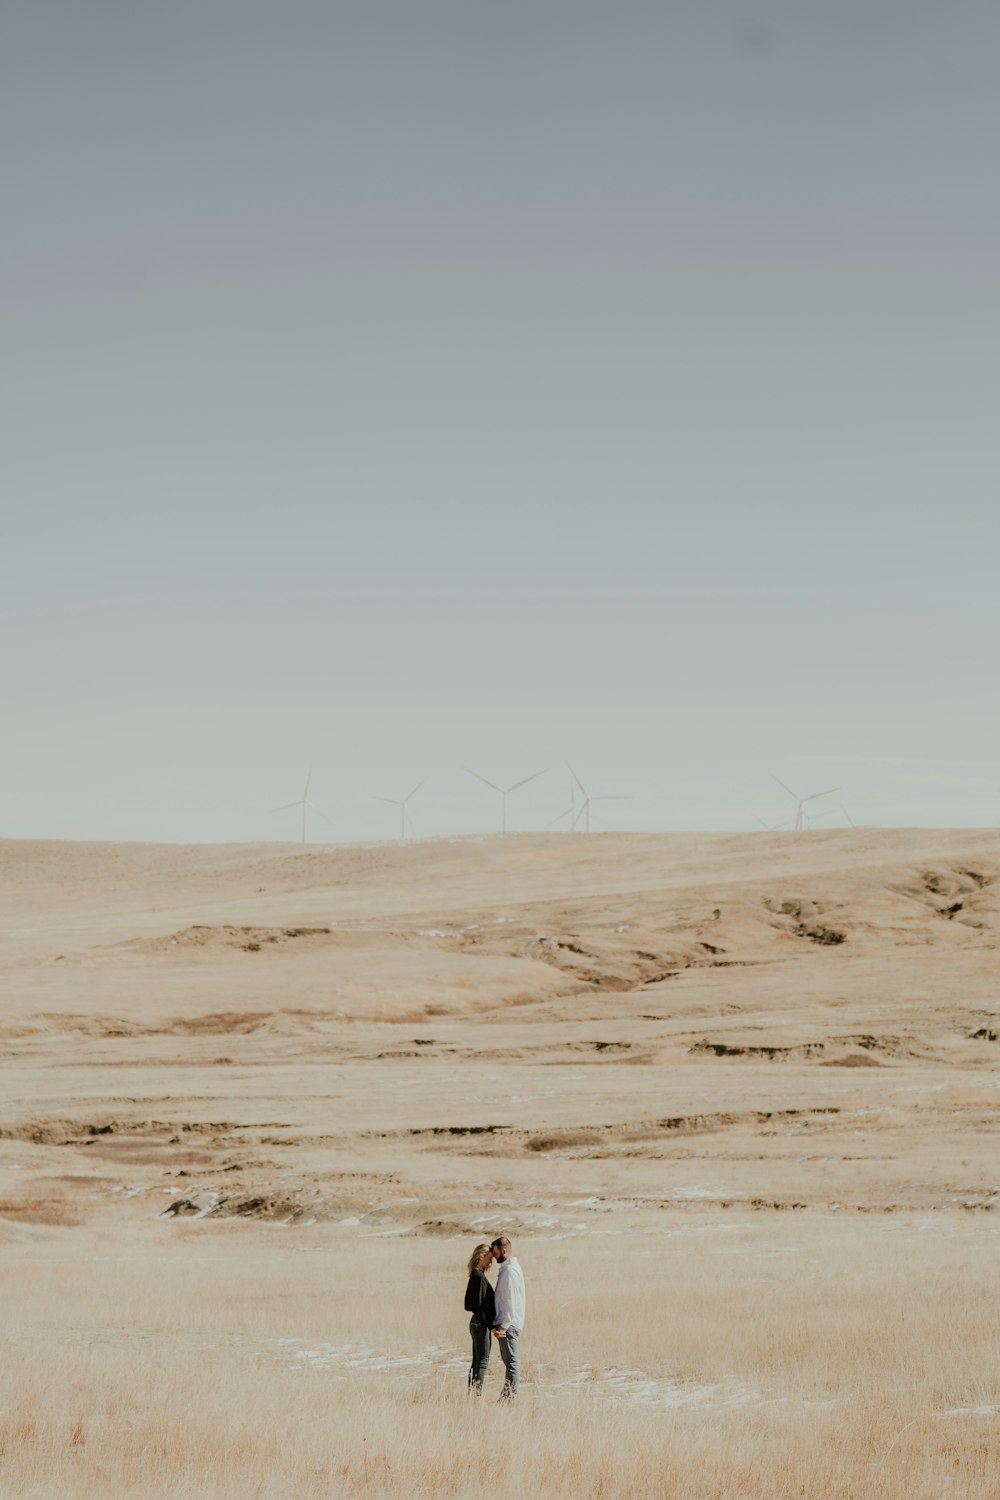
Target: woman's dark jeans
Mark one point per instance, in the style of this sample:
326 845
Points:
480 1355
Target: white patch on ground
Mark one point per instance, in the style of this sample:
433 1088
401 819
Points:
345 1360
613 1387
636 1388
550 1227
704 1192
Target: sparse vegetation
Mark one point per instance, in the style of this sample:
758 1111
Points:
750 1169
789 1361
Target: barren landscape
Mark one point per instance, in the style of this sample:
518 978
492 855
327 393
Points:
735 1098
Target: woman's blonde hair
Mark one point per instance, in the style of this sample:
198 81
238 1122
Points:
476 1255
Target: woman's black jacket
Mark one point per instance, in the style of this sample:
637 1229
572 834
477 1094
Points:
479 1299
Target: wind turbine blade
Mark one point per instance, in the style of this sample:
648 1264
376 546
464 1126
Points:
621 797
526 780
580 814
785 788
576 778
567 812
848 816
286 805
394 801
309 777
813 795
325 816
415 790
483 779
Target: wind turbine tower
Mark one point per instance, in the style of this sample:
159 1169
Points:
584 812
504 791
800 802
303 802
402 803
568 812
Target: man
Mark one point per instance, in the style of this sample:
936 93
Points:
509 1296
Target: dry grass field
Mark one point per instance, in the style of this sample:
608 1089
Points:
736 1099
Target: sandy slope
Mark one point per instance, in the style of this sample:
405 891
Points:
332 1003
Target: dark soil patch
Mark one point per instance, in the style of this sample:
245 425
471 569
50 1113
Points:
564 1140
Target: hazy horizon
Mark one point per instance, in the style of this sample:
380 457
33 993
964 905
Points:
392 389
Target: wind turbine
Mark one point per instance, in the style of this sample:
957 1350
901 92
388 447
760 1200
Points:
584 811
401 803
504 791
303 802
569 812
800 810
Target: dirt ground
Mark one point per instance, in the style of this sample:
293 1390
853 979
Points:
642 1051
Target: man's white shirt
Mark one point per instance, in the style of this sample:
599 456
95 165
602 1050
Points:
509 1295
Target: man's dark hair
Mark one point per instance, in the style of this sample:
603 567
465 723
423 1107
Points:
500 1243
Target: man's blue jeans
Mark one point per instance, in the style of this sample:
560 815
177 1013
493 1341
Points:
512 1362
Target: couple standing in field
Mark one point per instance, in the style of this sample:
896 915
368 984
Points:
495 1310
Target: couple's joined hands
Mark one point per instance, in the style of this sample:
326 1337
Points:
500 1332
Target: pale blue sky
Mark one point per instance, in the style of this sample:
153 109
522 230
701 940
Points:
392 386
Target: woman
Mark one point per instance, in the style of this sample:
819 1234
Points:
479 1302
